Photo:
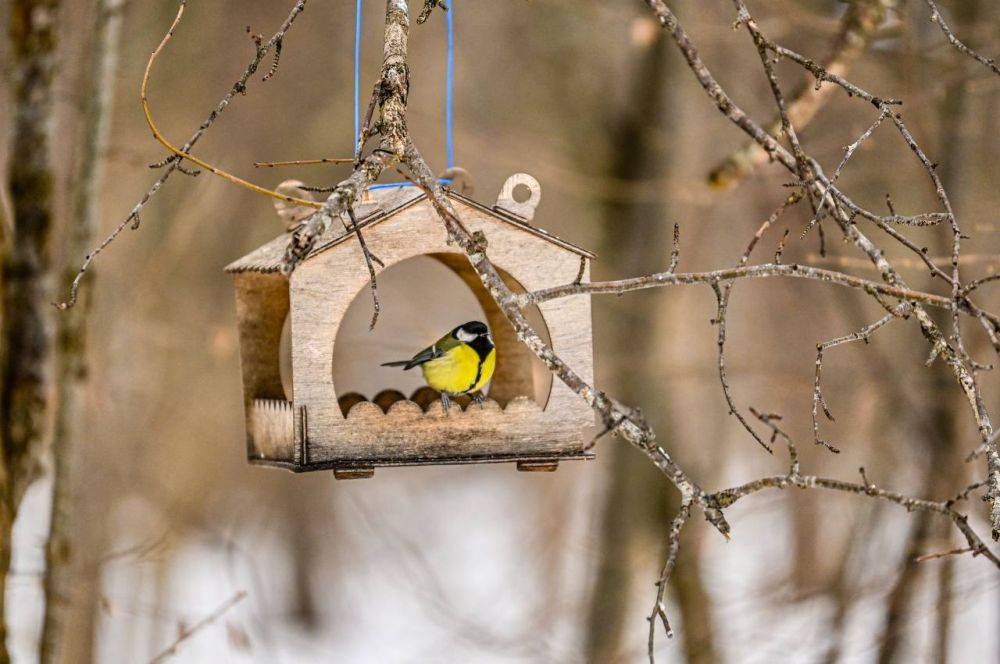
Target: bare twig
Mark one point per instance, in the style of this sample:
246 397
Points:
761 271
429 6
369 259
770 420
955 356
945 554
818 400
239 87
185 633
956 42
722 300
858 26
675 250
624 421
304 162
659 606
727 497
581 271
180 153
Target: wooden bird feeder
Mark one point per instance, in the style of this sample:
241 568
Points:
312 426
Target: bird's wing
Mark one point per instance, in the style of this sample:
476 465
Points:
440 347
426 355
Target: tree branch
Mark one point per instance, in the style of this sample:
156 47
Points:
172 164
936 17
858 27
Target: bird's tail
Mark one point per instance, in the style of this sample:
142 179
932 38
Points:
400 363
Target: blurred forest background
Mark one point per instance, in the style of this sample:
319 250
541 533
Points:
481 563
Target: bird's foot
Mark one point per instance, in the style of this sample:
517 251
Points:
445 402
479 398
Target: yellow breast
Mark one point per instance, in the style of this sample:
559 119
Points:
489 364
456 371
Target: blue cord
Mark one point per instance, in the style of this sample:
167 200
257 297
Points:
449 87
400 185
357 72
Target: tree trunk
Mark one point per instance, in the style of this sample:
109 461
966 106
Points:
26 328
639 504
71 362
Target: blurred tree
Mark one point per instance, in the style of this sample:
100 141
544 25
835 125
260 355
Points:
81 225
25 276
937 442
638 504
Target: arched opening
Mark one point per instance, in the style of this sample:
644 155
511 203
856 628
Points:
422 298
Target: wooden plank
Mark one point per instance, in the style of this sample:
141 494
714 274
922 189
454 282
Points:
361 473
537 466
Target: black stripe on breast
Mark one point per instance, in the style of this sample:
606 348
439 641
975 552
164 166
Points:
479 374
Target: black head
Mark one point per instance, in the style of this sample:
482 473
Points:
476 334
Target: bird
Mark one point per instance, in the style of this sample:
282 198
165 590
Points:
460 362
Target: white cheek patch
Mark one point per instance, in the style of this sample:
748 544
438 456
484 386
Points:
489 337
464 336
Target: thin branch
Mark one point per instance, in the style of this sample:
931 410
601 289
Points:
945 554
659 611
304 162
761 271
429 6
936 17
818 400
185 633
852 148
955 357
239 87
727 497
858 26
770 420
180 153
581 271
276 61
370 258
675 250
625 422
722 300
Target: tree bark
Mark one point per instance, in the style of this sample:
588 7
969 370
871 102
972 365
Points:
71 362
25 277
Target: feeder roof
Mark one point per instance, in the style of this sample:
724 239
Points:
269 257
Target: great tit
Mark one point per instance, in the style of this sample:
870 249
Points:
460 362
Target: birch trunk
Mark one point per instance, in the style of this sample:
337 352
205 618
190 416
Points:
71 361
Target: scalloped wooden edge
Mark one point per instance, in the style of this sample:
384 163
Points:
405 410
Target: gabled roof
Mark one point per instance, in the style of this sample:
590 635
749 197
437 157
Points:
268 257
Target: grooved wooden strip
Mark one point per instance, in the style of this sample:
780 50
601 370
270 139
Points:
272 429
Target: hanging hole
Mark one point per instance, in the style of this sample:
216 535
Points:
521 193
